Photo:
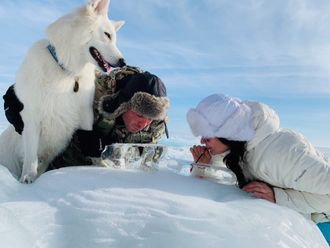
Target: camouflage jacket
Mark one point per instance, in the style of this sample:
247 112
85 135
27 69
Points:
107 131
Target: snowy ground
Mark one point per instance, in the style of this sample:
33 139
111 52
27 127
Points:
98 207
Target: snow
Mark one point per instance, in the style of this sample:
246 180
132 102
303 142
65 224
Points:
102 207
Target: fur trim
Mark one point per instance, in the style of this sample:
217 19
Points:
150 106
222 116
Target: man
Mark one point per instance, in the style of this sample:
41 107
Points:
130 106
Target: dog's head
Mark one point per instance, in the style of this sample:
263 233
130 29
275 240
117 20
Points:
87 36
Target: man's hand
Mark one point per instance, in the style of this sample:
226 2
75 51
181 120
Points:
260 190
200 154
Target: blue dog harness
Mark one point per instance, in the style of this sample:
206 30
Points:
52 51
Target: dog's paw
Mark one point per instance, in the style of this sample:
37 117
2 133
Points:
28 178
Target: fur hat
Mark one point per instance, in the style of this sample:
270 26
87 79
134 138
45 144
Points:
144 93
223 117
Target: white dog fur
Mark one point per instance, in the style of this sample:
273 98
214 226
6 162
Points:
52 109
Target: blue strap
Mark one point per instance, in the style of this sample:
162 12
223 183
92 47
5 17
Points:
52 51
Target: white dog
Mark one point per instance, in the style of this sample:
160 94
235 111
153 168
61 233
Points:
56 85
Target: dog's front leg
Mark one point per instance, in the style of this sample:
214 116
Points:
30 137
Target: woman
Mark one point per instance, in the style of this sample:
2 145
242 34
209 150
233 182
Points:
278 165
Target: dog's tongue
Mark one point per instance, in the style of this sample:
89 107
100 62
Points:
103 64
107 67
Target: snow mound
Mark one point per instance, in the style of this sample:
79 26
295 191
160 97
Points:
98 207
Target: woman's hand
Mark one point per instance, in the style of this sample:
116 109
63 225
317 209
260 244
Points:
201 154
260 190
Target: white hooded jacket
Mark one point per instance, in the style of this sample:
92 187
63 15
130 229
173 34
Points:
289 162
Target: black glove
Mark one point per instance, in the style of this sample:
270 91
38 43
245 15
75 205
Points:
13 107
89 143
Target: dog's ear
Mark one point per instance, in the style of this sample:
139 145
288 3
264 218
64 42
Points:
118 24
99 7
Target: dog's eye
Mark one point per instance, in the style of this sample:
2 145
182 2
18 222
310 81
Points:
108 35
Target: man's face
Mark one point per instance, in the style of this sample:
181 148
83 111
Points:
135 122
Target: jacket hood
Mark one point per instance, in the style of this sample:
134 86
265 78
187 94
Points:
265 122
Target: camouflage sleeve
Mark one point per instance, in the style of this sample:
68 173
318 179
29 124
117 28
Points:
106 85
157 130
71 156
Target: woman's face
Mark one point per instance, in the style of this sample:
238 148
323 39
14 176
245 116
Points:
214 145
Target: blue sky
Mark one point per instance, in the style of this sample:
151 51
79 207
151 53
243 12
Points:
277 52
